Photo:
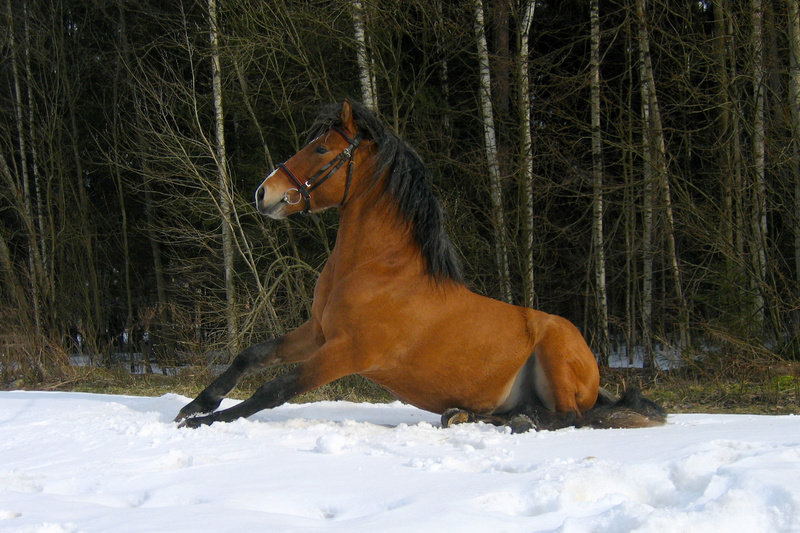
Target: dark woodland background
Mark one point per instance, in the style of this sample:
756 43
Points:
125 201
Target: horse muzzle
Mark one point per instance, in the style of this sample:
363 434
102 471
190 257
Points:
271 205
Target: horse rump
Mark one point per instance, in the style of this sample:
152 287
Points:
632 410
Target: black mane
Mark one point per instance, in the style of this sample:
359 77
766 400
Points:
408 182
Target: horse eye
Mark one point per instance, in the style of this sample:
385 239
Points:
322 150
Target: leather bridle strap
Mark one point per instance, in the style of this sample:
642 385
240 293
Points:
324 173
299 188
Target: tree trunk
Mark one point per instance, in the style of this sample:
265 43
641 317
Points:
725 142
225 191
759 206
657 155
439 28
46 281
26 211
736 112
163 315
94 312
647 191
794 105
629 199
116 165
369 94
155 248
12 285
603 345
526 150
502 53
490 140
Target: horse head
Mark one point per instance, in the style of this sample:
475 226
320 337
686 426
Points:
296 185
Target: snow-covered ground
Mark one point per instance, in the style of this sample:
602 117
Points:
81 462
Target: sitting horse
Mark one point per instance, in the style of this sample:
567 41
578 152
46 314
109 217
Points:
390 304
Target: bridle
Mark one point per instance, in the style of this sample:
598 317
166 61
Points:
304 188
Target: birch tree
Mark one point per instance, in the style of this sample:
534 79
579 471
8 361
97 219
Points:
225 191
46 286
598 241
490 145
647 190
526 148
369 95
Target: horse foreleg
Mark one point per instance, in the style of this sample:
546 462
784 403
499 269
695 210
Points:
271 394
326 365
256 356
291 348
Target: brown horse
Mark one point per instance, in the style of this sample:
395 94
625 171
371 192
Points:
390 303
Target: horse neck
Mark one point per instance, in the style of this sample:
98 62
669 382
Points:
371 229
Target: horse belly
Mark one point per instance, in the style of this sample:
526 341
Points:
482 381
441 349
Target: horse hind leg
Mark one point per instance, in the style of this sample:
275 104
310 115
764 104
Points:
631 411
518 423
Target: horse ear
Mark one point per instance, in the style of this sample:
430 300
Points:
347 118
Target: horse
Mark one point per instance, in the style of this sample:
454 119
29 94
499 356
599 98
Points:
391 304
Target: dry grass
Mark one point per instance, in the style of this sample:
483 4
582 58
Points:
754 388
189 382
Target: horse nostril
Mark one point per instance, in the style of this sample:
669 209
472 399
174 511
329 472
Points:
259 195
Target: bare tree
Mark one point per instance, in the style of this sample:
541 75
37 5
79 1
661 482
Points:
526 148
598 241
225 191
656 176
116 166
759 199
26 207
647 191
728 135
490 145
794 105
439 29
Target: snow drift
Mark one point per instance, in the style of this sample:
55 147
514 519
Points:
74 462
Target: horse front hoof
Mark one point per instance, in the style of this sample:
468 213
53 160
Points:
455 415
195 422
198 406
183 414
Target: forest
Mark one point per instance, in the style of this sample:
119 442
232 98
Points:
632 165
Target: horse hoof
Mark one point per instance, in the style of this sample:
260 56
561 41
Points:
455 415
521 424
195 422
198 406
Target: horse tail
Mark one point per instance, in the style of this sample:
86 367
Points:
632 410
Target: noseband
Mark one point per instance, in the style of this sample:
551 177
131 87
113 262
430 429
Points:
304 188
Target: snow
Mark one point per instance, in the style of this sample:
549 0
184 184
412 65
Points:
72 462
